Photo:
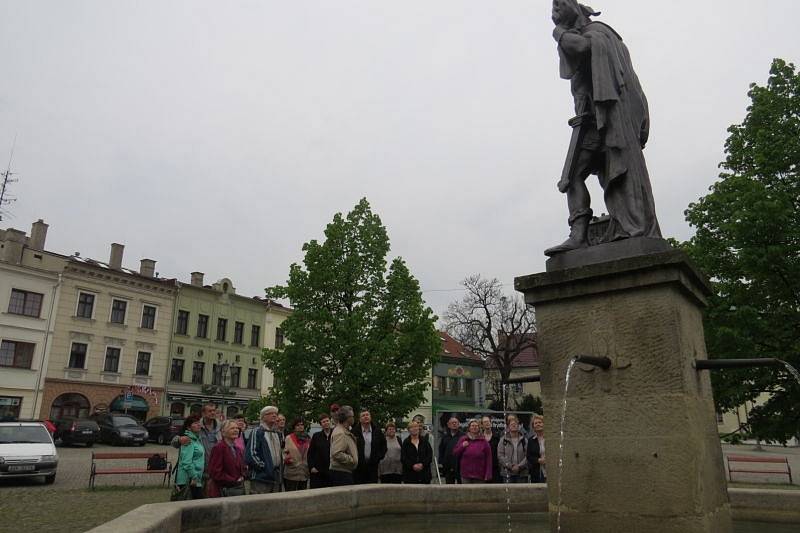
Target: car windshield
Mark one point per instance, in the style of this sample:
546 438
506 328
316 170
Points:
121 421
24 434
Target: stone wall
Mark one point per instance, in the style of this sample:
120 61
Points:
330 506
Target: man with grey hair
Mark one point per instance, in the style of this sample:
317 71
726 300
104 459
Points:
264 454
344 450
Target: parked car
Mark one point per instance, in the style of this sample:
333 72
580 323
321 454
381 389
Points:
77 431
27 450
118 429
163 428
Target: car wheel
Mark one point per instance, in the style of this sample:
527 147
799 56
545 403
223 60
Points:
89 444
49 480
116 441
142 444
161 439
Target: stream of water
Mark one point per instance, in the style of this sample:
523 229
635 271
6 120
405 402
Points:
792 370
561 437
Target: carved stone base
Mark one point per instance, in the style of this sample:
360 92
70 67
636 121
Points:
642 451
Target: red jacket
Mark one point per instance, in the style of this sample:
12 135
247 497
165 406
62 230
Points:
225 467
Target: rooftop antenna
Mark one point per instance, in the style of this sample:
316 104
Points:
4 198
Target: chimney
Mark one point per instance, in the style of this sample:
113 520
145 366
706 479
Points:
115 261
197 279
147 268
38 235
13 246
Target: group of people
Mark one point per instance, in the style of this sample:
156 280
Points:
482 455
217 459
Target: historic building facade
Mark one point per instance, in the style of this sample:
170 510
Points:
29 291
111 339
215 351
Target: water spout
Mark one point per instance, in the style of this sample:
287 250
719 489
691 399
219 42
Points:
599 362
561 437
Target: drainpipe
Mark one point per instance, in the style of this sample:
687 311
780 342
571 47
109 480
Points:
40 372
169 347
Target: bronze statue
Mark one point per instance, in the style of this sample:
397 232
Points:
609 131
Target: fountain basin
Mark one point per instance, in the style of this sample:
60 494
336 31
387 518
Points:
338 506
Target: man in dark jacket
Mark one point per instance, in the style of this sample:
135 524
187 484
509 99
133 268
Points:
319 454
447 460
371 449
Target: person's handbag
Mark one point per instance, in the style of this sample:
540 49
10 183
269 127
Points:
237 490
181 493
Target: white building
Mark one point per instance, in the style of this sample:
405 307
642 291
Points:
30 285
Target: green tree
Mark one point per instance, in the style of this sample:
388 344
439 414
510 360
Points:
359 334
748 241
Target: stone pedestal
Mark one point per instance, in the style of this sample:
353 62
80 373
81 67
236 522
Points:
641 452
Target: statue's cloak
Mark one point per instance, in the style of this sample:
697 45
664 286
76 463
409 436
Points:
620 110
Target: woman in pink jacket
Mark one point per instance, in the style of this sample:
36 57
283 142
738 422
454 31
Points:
474 455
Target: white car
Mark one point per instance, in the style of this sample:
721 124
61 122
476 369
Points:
27 450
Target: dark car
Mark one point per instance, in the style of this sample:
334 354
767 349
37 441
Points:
118 429
77 431
163 428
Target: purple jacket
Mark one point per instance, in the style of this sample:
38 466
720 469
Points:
475 460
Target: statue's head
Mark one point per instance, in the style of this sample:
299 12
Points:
568 13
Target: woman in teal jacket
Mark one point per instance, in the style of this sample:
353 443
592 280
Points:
192 461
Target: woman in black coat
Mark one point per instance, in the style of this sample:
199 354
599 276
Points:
416 456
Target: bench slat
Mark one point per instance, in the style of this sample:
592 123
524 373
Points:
126 455
751 459
130 471
784 472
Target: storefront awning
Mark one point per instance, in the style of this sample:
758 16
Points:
137 403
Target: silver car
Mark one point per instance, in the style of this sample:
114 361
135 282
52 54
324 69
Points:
27 450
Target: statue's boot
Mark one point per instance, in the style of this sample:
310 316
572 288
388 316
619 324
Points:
578 236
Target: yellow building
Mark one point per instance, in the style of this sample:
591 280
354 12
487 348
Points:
111 339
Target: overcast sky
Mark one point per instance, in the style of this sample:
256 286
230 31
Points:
221 136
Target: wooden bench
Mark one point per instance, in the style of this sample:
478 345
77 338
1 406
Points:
787 471
126 469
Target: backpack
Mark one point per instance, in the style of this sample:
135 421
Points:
156 462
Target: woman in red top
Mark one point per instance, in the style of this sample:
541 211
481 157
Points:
226 464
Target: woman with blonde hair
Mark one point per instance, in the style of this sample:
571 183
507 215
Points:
226 467
416 456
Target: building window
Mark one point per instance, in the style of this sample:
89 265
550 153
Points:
222 328
183 323
118 309
77 355
236 373
197 372
278 338
216 375
112 359
143 364
438 384
149 317
85 305
252 375
255 334
176 373
238 333
177 409
202 326
16 354
9 407
25 303
462 386
469 390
